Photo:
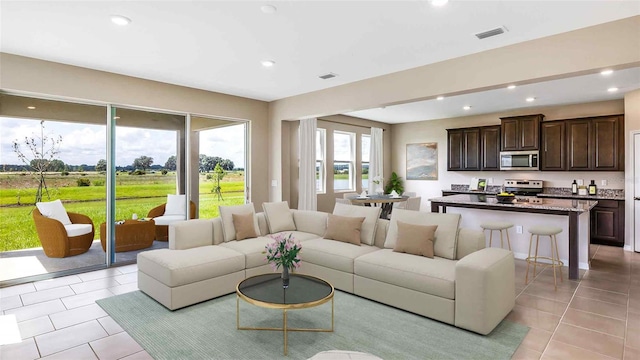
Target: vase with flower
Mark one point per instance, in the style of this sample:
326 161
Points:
378 181
283 252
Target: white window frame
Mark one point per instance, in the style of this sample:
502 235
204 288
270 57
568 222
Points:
321 163
351 161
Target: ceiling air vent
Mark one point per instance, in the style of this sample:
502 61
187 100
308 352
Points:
492 32
327 76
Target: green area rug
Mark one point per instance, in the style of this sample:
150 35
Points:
208 331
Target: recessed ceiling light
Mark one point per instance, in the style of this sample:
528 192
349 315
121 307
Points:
467 107
606 72
268 9
439 2
530 99
440 98
120 20
267 63
31 107
612 89
511 87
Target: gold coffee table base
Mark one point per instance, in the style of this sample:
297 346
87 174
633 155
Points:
284 327
285 307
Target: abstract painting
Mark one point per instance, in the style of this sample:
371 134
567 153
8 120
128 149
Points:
422 161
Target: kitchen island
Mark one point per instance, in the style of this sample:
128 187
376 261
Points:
573 209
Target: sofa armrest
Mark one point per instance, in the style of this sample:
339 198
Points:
485 289
469 241
314 222
190 233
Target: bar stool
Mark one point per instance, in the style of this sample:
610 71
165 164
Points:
498 226
551 232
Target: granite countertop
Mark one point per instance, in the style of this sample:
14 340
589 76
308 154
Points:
549 192
550 204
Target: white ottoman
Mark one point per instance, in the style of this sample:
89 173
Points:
179 278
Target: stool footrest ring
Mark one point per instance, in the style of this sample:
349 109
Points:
553 262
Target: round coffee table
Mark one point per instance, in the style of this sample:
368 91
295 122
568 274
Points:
266 291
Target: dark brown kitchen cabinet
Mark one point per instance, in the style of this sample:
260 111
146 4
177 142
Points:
463 149
607 223
521 132
595 143
552 149
490 147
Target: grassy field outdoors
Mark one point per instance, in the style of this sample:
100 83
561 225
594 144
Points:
134 194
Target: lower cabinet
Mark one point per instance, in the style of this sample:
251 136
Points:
607 223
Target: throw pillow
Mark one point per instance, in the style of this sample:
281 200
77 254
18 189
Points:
415 239
226 215
279 217
371 215
344 228
54 210
244 226
176 205
446 237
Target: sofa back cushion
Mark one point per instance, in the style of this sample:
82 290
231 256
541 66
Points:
344 228
226 214
54 210
370 214
314 222
279 217
446 235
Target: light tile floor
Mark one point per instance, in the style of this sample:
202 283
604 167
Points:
597 317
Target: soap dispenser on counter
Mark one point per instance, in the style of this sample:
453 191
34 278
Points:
593 189
574 188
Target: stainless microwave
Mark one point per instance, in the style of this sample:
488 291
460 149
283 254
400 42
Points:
519 160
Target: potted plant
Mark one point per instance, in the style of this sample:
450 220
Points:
394 183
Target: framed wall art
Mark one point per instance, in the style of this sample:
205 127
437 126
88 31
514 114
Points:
422 161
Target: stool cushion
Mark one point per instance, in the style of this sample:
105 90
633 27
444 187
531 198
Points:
545 230
496 225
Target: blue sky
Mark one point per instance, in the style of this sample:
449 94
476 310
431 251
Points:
86 143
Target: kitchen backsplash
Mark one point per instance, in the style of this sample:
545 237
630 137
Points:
492 189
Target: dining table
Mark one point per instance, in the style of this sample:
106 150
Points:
384 201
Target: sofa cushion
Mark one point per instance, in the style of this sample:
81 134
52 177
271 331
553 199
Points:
431 276
180 267
344 228
54 210
77 229
299 235
279 217
371 215
446 238
167 219
333 254
226 214
244 225
176 205
252 250
308 221
415 239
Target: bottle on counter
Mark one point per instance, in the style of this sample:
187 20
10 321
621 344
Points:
574 188
593 189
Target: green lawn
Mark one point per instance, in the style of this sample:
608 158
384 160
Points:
135 194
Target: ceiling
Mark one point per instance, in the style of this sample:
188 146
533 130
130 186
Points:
218 45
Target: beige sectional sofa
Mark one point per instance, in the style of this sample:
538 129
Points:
464 284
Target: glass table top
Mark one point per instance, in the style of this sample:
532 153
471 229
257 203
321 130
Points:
267 288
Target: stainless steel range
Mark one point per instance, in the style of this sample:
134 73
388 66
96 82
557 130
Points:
525 190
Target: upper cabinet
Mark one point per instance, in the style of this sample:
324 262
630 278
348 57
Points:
521 132
552 149
596 143
476 148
